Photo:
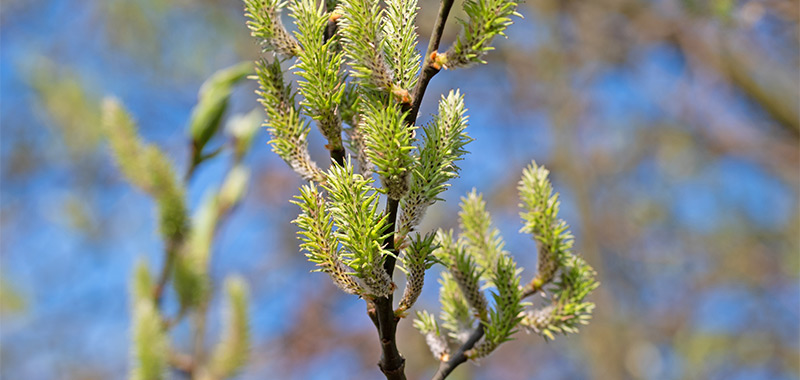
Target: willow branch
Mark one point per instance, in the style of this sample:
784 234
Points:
171 255
530 290
392 364
182 362
428 70
460 356
391 209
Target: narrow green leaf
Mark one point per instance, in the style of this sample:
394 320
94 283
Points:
206 116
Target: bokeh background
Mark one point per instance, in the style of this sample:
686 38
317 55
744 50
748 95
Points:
670 127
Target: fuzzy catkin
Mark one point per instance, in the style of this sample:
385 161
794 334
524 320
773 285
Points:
438 345
416 280
537 320
357 145
471 290
377 282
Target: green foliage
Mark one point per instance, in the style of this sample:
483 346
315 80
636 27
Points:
568 308
204 223
505 315
142 285
417 259
456 315
477 254
169 195
426 324
343 231
289 132
191 266
264 21
319 63
70 106
361 227
443 145
187 245
480 239
126 144
486 20
358 146
320 244
232 351
388 143
360 28
233 188
540 219
242 128
400 41
464 270
349 104
213 99
190 279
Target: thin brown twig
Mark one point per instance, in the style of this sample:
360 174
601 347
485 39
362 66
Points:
161 283
163 278
198 335
530 290
392 363
392 206
202 310
428 70
460 356
194 160
180 361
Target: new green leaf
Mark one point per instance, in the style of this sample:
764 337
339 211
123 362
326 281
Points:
320 66
388 143
289 132
361 227
319 242
540 206
264 21
443 145
206 116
